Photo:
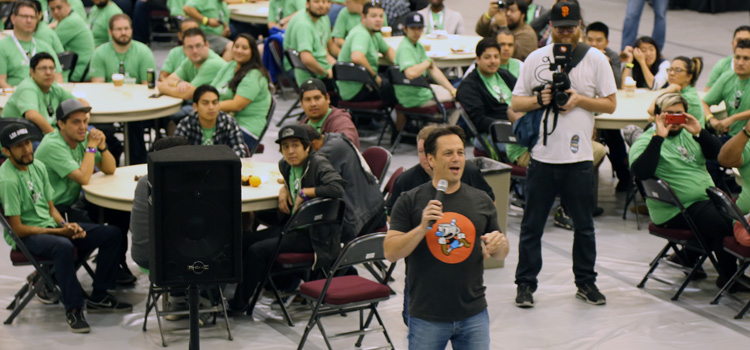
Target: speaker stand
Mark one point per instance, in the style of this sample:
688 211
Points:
194 302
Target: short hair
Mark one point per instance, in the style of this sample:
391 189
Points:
38 58
199 91
169 142
694 67
37 5
743 44
598 27
743 28
430 144
523 6
24 3
65 1
485 44
664 101
119 16
312 133
426 131
505 31
194 32
188 20
372 4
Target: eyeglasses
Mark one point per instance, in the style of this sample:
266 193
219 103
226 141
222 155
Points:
565 29
26 17
196 47
676 70
45 69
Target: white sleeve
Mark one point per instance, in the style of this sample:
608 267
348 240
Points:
526 78
606 80
661 76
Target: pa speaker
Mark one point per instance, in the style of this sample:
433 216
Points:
194 216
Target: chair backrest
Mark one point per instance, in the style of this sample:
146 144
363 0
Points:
659 190
360 250
392 181
68 61
317 211
294 58
379 159
397 77
501 131
34 131
726 206
277 52
269 116
347 71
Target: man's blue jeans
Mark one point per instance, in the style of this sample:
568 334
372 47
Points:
472 333
633 18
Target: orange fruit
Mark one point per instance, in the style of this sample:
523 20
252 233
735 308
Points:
255 181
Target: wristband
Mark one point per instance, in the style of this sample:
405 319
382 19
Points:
90 149
62 223
709 116
487 15
746 132
177 82
629 65
205 20
302 195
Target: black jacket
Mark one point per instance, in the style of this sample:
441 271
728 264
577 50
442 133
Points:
480 106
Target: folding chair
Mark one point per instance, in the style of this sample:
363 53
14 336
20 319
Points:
269 116
68 61
727 207
309 215
379 159
392 181
284 81
679 240
296 61
501 131
343 294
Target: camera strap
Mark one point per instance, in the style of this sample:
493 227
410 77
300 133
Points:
576 57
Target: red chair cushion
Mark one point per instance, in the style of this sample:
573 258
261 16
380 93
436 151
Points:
517 170
17 258
345 290
425 110
731 243
295 258
685 235
480 153
361 104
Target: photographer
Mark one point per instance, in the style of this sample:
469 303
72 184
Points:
510 14
564 163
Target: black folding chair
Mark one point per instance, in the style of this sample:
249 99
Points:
309 215
727 207
285 82
501 131
296 61
679 240
269 116
68 61
343 294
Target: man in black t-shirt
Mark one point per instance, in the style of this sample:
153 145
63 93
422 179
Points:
444 244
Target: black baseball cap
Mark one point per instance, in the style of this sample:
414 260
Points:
13 133
565 13
414 19
290 131
70 106
312 84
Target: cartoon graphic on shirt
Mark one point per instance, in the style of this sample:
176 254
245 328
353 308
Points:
451 237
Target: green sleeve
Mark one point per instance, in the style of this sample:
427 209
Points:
98 67
305 36
207 72
339 28
171 64
273 11
301 5
360 42
382 45
251 85
27 100
184 69
225 9
716 72
4 60
57 158
10 195
716 94
404 59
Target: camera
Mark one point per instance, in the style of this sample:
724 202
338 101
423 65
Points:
676 119
560 79
501 4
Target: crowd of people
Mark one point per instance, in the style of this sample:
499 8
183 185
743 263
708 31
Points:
227 89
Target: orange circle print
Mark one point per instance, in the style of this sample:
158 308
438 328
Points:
451 238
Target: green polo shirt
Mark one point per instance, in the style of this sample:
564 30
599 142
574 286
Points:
26 194
76 36
303 34
99 21
360 39
174 59
682 165
513 66
724 65
45 33
106 61
212 9
28 96
319 125
695 106
61 160
207 72
15 65
175 7
75 5
346 21
727 88
254 87
408 55
278 9
743 201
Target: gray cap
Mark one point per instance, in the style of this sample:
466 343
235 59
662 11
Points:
69 106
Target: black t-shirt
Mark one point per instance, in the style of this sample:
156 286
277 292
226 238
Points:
445 270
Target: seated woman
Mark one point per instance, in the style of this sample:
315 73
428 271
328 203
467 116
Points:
645 64
682 75
243 89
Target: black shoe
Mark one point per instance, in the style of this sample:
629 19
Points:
591 294
125 277
524 296
563 220
77 322
108 303
597 211
623 186
737 286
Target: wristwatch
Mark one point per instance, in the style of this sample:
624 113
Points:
104 150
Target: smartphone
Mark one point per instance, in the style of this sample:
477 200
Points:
676 119
155 96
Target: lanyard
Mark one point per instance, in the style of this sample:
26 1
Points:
434 26
34 195
24 53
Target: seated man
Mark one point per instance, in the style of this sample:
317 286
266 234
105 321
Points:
75 5
74 35
309 33
736 154
26 196
439 17
207 125
43 31
729 88
726 64
121 54
176 55
17 49
507 43
280 12
512 17
306 176
677 154
316 103
345 22
364 201
213 17
99 17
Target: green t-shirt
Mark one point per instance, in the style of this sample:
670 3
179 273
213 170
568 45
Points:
75 5
682 165
174 59
60 160
497 87
76 36
175 7
731 90
346 21
530 13
207 72
514 151
278 9
408 55
26 193
15 64
99 21
436 21
45 33
28 96
319 125
295 176
303 34
106 61
254 87
208 136
743 202
212 9
360 39
724 65
695 106
513 66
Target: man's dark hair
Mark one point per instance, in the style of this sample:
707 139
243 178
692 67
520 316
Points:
694 67
430 144
169 142
485 44
744 28
194 32
24 3
305 144
523 6
117 17
38 58
743 44
505 31
372 4
598 27
199 91
37 5
312 133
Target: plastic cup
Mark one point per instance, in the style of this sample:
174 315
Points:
629 87
387 31
118 79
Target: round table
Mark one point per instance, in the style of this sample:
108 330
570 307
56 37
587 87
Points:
116 191
250 12
450 51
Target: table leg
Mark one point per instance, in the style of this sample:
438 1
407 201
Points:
125 143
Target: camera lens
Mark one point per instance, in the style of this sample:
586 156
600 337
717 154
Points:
561 98
501 4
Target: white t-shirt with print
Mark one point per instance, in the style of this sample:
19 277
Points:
571 140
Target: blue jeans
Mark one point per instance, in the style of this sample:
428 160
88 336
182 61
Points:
249 139
633 18
575 184
142 21
472 333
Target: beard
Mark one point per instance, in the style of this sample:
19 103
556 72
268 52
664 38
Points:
315 15
20 161
572 39
673 133
122 43
102 4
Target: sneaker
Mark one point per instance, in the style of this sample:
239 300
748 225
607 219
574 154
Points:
107 304
177 305
125 277
591 294
77 322
524 296
563 220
